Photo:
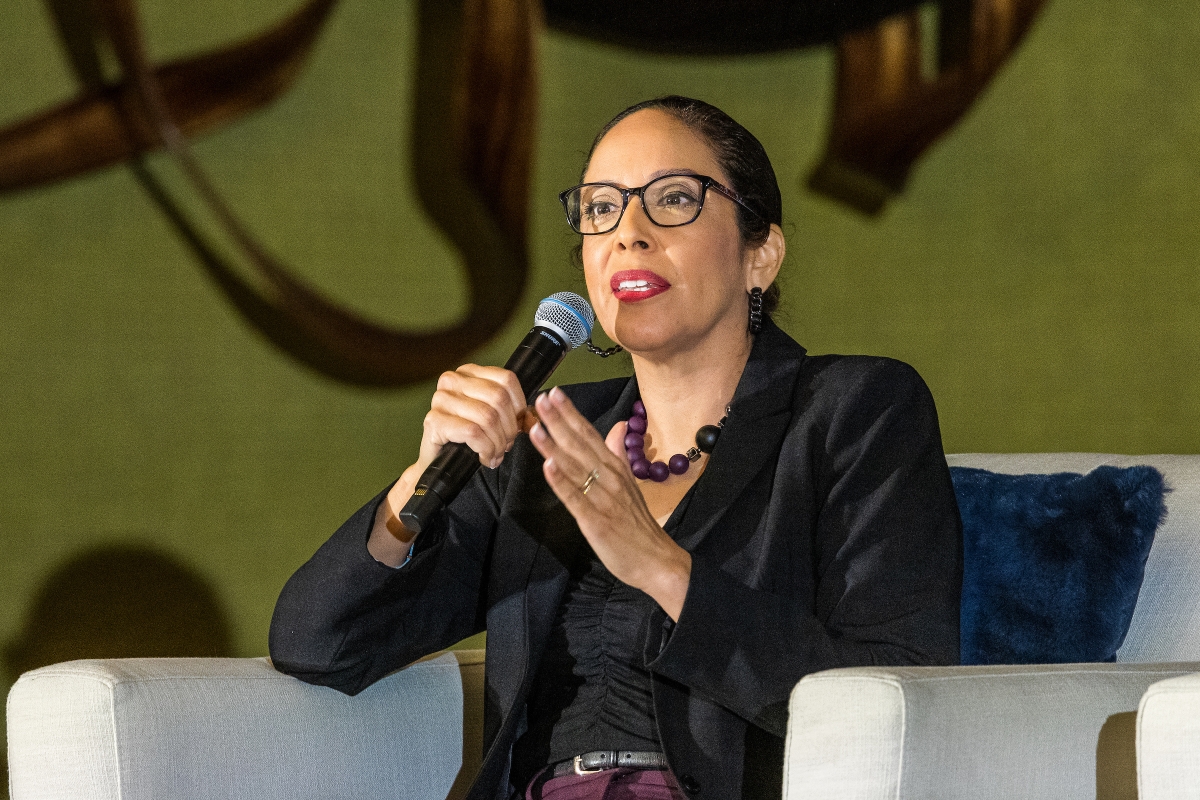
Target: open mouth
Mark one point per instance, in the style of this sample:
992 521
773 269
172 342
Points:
632 285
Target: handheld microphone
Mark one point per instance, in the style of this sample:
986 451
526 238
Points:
562 323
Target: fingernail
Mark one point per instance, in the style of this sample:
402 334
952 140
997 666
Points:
556 394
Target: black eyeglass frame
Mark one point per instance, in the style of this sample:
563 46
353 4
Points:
640 193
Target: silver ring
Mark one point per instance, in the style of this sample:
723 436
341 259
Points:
591 478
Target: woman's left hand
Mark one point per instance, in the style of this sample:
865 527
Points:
612 513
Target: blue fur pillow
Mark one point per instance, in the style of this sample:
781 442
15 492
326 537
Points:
1052 564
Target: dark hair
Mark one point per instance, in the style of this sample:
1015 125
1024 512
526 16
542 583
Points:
740 156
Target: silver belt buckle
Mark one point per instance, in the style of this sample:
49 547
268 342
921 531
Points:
579 770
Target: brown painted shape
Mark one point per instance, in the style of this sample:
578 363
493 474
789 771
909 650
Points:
106 125
887 114
473 139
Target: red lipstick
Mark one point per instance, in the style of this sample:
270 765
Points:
632 285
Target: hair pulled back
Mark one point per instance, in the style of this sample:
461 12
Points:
741 157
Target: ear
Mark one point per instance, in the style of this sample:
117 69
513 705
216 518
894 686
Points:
763 262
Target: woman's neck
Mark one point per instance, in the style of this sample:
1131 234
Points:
689 389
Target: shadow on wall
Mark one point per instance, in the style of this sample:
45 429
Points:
118 601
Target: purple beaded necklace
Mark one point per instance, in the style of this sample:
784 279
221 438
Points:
635 447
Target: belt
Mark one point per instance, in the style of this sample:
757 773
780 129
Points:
600 760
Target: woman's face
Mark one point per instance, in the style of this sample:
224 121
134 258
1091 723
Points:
697 274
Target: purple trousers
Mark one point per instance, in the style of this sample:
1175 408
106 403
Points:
611 784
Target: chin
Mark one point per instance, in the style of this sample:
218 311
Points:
645 336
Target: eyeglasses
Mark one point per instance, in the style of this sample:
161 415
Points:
669 201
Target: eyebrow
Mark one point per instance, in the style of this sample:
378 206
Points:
662 173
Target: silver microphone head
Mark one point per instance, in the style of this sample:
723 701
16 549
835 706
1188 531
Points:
567 314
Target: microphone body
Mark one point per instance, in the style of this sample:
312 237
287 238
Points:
533 362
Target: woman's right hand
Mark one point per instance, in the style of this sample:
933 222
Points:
483 407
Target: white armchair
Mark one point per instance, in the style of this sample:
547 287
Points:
1036 733
171 729
216 728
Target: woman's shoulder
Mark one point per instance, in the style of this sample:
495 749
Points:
833 373
844 369
871 381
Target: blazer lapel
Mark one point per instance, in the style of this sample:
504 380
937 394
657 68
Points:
758 418
560 540
537 539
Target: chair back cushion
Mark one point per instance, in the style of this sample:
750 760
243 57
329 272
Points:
1166 619
1052 563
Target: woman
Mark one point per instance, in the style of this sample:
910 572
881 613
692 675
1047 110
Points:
657 621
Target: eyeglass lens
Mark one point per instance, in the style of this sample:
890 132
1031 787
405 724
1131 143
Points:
670 200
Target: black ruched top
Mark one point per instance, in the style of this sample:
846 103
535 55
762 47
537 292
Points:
593 690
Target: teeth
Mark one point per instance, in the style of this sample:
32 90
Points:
634 286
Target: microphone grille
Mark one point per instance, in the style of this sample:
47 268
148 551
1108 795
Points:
569 314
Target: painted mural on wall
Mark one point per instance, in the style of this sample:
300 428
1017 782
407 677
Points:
473 136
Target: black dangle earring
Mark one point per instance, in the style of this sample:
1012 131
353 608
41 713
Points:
756 301
603 353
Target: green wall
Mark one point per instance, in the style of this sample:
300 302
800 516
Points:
1039 273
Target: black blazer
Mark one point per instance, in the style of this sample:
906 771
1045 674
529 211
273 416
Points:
824 533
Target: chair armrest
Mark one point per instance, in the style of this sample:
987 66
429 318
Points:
1168 739
163 728
1048 731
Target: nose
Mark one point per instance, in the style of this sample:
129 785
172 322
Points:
635 230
